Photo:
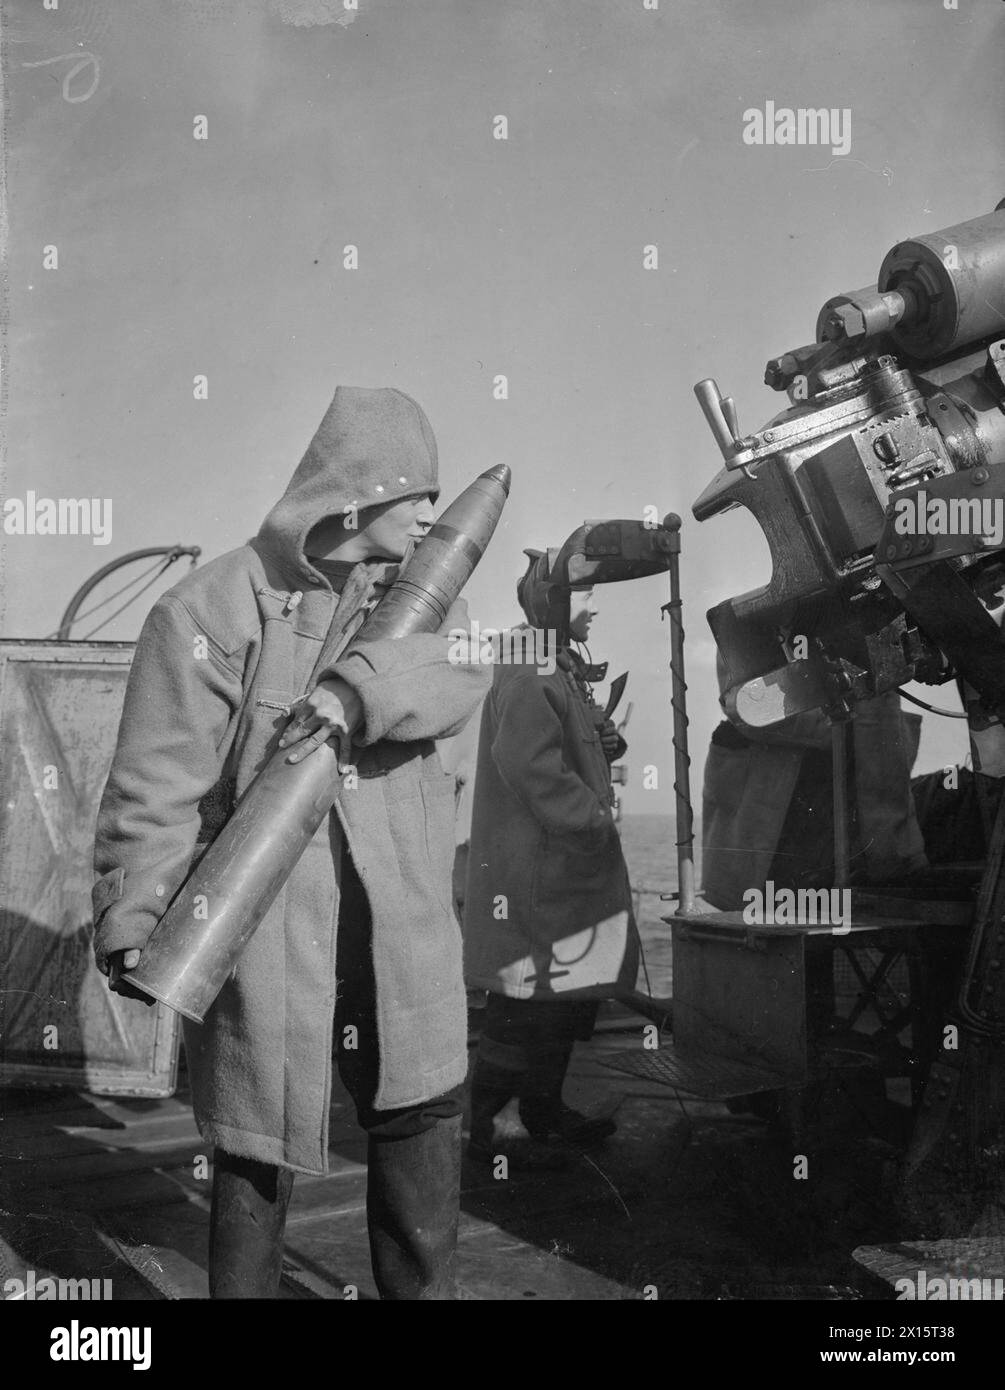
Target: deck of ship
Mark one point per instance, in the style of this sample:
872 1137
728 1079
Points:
686 1200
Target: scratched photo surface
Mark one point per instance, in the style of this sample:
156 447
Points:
545 222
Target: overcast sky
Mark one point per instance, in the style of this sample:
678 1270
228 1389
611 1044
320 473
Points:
477 257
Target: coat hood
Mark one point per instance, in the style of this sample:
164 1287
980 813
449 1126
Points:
374 445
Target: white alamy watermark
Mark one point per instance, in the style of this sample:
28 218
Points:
31 1288
76 1343
518 646
952 1290
801 125
791 907
921 515
59 516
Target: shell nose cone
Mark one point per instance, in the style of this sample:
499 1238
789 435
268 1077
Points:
500 474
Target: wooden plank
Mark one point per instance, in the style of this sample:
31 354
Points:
496 1267
337 1251
66 1245
491 1263
326 1198
169 1244
959 1257
26 1110
67 1171
111 1192
151 1139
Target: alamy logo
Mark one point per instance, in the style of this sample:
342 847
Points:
31 1288
790 907
804 125
59 516
938 1290
921 515
518 646
76 1343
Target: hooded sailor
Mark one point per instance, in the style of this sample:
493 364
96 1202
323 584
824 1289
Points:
358 962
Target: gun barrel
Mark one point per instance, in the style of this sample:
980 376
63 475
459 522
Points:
214 914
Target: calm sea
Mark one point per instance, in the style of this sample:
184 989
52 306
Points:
651 856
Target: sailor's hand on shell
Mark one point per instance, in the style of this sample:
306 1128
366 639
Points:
332 710
119 963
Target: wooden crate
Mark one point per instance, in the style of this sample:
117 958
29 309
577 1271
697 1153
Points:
59 1025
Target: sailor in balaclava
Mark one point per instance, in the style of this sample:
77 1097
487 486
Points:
548 922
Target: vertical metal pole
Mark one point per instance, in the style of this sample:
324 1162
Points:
682 760
839 778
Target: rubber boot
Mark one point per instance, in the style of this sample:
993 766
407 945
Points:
548 1119
492 1088
495 1131
412 1207
246 1225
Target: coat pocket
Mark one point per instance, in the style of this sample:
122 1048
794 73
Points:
563 871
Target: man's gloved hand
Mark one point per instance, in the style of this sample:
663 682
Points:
333 708
117 964
611 742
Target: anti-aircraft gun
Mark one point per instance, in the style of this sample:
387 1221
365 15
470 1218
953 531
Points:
881 493
876 490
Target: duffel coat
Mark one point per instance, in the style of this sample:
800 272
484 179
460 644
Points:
220 659
547 906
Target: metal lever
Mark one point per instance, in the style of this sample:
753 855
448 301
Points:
721 416
732 421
